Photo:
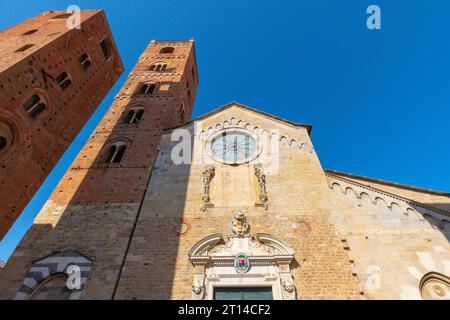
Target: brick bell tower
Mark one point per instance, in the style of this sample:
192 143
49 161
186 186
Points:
93 210
52 78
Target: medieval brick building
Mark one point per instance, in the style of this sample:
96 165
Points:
52 78
232 205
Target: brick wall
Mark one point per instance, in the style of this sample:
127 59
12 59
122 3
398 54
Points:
34 145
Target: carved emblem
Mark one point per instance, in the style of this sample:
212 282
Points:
239 224
208 174
288 285
198 289
241 263
259 172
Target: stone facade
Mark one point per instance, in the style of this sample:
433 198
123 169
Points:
52 79
394 242
177 219
299 213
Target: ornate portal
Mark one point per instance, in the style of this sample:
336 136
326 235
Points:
241 259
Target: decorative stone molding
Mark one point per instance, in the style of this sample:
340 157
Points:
51 265
233 122
239 224
375 196
198 288
287 283
111 166
435 286
269 261
263 199
208 175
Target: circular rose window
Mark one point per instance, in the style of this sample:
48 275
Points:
233 147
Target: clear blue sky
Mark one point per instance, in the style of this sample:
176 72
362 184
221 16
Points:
379 100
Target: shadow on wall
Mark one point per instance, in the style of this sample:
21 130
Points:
441 223
96 205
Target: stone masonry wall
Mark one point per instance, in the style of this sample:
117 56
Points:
171 222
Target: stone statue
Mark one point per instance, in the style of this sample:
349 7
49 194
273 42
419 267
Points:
259 172
239 224
288 285
198 289
208 174
288 288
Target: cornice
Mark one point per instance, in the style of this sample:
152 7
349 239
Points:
411 204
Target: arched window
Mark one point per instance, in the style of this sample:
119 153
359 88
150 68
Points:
25 47
116 152
147 88
435 286
85 61
6 136
62 16
52 288
64 80
158 67
47 278
134 115
105 45
34 105
3 142
29 32
167 50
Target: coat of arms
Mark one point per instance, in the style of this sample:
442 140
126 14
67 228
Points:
241 263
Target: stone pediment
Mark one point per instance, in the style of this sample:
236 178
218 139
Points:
242 259
260 248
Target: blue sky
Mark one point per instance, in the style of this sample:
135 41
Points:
379 100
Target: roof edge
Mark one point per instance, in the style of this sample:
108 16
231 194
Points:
234 103
389 183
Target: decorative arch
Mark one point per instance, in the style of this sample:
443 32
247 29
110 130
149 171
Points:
8 137
133 114
281 247
52 265
204 245
159 66
391 202
294 143
268 264
115 150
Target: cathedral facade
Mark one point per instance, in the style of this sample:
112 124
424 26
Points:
231 205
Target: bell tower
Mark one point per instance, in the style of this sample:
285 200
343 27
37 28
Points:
115 164
93 210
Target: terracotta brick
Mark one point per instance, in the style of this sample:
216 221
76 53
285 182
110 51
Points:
34 145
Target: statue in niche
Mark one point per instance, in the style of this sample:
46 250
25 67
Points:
259 172
208 174
239 224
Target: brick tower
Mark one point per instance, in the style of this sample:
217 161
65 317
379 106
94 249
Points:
52 78
91 214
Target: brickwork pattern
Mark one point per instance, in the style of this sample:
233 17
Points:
93 208
35 144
